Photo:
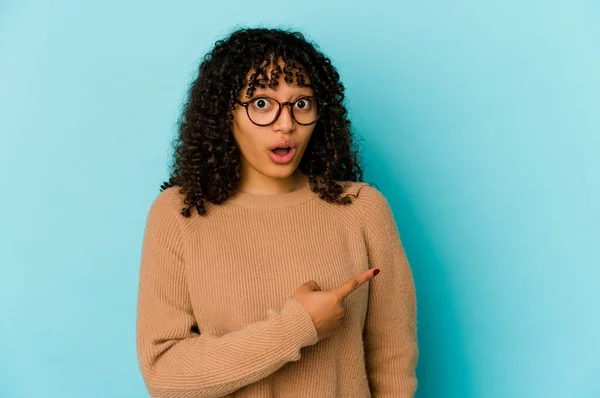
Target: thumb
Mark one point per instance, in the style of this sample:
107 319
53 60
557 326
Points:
312 286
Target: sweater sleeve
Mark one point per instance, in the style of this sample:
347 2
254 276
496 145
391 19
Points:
390 336
177 359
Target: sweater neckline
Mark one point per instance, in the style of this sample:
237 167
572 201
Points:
273 201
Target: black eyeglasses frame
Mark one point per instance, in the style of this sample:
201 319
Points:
281 105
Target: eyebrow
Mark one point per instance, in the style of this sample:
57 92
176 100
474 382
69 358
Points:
265 94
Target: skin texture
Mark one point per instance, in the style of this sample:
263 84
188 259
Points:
260 175
217 150
326 306
263 176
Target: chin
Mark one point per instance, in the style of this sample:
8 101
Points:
286 172
281 171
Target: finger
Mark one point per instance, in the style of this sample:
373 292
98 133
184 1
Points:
353 283
312 285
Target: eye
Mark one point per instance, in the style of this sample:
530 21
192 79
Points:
304 104
261 103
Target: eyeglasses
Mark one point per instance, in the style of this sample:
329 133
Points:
263 111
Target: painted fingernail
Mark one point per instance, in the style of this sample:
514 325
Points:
375 271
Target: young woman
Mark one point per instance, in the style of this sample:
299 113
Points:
260 253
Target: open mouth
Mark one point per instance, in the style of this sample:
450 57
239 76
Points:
281 151
282 155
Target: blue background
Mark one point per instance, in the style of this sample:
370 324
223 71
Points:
479 122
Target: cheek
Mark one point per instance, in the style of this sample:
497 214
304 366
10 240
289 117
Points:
250 139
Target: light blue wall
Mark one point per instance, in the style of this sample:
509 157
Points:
480 124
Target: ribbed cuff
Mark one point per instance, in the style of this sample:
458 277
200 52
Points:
299 326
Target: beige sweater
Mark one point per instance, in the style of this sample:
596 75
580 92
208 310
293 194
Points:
215 315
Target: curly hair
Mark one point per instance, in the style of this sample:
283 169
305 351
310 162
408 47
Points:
206 162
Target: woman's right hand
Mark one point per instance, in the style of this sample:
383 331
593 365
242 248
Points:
326 306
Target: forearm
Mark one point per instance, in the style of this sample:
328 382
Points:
209 366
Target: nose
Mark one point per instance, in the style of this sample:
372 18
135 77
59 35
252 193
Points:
285 121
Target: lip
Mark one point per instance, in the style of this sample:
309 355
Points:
282 159
283 143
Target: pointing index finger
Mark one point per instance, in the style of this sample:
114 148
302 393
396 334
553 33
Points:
354 283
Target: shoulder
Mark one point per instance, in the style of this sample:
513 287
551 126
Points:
165 208
369 206
374 209
171 200
365 195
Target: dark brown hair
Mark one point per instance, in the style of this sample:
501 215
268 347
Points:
206 162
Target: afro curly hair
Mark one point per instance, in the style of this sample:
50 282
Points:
206 162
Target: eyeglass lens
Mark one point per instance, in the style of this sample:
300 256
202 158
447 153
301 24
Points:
264 110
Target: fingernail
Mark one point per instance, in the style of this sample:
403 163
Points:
375 271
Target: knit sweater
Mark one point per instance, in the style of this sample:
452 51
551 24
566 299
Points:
215 317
